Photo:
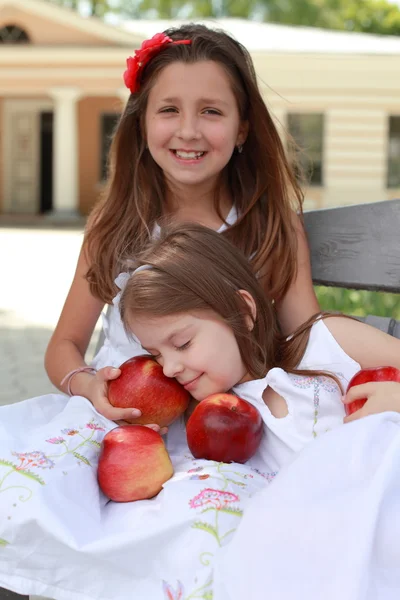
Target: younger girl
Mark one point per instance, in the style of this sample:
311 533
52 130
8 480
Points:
195 143
196 306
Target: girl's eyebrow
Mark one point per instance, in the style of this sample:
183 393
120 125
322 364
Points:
201 101
178 332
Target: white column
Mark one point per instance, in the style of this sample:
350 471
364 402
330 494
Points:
65 152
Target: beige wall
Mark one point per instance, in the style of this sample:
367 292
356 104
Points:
44 32
356 94
1 155
89 113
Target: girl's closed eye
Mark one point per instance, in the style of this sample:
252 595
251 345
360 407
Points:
184 346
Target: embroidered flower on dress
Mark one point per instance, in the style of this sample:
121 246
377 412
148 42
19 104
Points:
56 440
216 498
95 426
195 470
69 431
170 593
33 459
268 476
147 50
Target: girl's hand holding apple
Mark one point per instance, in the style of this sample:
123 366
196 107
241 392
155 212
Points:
96 390
372 391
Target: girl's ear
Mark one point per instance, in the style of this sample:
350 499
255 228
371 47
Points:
250 318
242 133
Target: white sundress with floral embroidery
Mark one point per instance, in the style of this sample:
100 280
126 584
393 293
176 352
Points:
61 538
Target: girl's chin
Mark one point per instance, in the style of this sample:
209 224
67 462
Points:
198 398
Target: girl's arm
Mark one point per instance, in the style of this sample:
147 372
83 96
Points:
367 345
300 302
71 337
370 347
69 342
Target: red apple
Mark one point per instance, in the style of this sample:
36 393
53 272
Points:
365 376
143 385
133 463
224 428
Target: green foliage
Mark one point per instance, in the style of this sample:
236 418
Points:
97 8
372 16
163 9
358 302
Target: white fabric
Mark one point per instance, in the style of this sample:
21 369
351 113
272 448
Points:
314 403
326 526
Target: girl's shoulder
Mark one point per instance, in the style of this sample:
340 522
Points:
365 344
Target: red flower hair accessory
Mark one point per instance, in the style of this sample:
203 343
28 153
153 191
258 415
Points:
147 50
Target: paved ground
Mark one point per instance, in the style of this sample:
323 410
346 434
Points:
36 268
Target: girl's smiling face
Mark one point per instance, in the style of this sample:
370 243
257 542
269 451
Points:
192 123
198 349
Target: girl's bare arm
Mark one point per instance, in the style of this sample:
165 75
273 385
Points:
300 302
71 337
68 345
367 345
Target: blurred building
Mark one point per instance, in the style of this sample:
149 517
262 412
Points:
61 91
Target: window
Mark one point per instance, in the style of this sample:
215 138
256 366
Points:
307 130
393 179
12 34
108 123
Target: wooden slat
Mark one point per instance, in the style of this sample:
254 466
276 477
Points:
356 246
386 324
7 595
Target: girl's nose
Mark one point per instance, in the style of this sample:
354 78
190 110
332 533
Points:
188 128
171 368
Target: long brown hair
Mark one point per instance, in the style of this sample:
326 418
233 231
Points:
260 180
195 268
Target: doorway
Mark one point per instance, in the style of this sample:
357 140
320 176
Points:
46 162
27 127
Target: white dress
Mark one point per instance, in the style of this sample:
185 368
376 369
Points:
215 531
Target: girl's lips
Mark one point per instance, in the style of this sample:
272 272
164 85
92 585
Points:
188 161
192 384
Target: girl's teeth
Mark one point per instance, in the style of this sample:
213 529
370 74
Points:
188 155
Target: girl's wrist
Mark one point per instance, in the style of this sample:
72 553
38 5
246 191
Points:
77 381
80 384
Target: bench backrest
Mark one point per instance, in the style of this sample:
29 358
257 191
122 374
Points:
357 247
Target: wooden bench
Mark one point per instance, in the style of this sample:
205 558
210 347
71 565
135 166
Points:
358 247
351 247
